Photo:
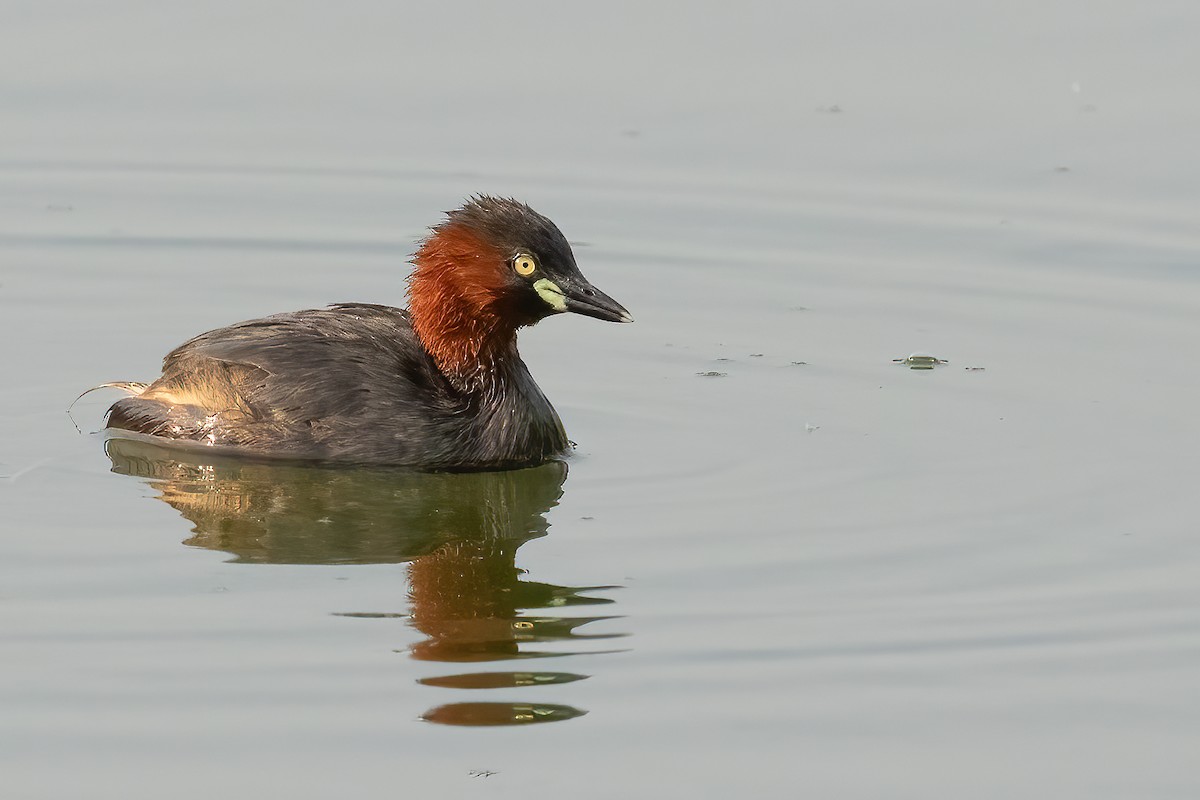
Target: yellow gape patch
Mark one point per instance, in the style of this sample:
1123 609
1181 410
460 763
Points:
548 290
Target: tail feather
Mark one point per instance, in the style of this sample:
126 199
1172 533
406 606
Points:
131 388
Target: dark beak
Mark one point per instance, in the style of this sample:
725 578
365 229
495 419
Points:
583 298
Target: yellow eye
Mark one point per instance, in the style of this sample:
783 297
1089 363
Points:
524 265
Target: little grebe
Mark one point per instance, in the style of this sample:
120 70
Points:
437 386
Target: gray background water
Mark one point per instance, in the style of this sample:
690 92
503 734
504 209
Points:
838 578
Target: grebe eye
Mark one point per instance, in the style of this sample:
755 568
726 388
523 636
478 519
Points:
524 265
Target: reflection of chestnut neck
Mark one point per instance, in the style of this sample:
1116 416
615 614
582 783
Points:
463 598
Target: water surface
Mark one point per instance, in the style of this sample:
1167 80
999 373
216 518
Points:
778 563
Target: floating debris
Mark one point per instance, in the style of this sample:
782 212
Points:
712 374
920 361
809 427
974 369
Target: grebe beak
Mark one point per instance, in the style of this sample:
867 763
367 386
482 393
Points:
583 298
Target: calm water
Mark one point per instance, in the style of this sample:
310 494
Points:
779 563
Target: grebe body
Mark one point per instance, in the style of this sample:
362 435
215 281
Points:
439 385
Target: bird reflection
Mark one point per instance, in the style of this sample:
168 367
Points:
459 533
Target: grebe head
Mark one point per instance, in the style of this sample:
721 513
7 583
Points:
494 266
